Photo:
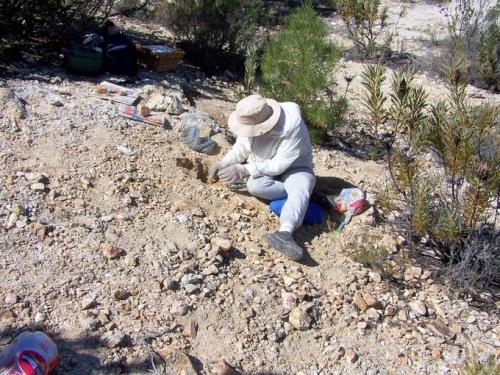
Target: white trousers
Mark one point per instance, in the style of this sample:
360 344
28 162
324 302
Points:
296 185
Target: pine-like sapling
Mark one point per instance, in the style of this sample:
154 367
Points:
450 210
297 65
374 99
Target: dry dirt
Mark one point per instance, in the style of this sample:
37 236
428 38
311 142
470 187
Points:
171 287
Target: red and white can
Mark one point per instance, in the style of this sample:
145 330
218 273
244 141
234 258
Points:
31 353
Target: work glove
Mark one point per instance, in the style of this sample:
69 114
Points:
233 173
213 170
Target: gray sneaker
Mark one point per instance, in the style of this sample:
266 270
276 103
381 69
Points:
284 242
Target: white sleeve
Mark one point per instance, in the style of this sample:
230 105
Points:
288 152
239 153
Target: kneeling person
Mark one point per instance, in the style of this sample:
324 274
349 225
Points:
274 142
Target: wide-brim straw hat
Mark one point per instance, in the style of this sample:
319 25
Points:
254 116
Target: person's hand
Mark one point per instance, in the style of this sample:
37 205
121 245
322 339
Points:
233 173
213 170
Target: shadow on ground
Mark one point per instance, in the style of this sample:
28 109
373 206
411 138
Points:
78 356
357 144
325 185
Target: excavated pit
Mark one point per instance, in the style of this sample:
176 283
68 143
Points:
197 168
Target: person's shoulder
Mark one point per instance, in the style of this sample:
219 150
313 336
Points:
290 107
293 116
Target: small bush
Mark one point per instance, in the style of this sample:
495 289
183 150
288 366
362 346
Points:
371 254
370 251
478 262
489 52
297 66
384 199
465 18
451 212
365 21
251 65
474 32
214 33
473 366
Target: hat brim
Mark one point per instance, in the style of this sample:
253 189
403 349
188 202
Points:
242 130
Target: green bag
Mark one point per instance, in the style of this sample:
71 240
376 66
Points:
84 60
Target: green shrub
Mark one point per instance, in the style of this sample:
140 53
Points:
451 212
365 21
214 33
297 65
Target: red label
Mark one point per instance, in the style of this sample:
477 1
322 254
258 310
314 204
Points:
31 363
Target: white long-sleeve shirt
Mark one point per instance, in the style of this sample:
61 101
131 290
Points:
286 146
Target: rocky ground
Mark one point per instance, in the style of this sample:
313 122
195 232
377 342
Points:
133 264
